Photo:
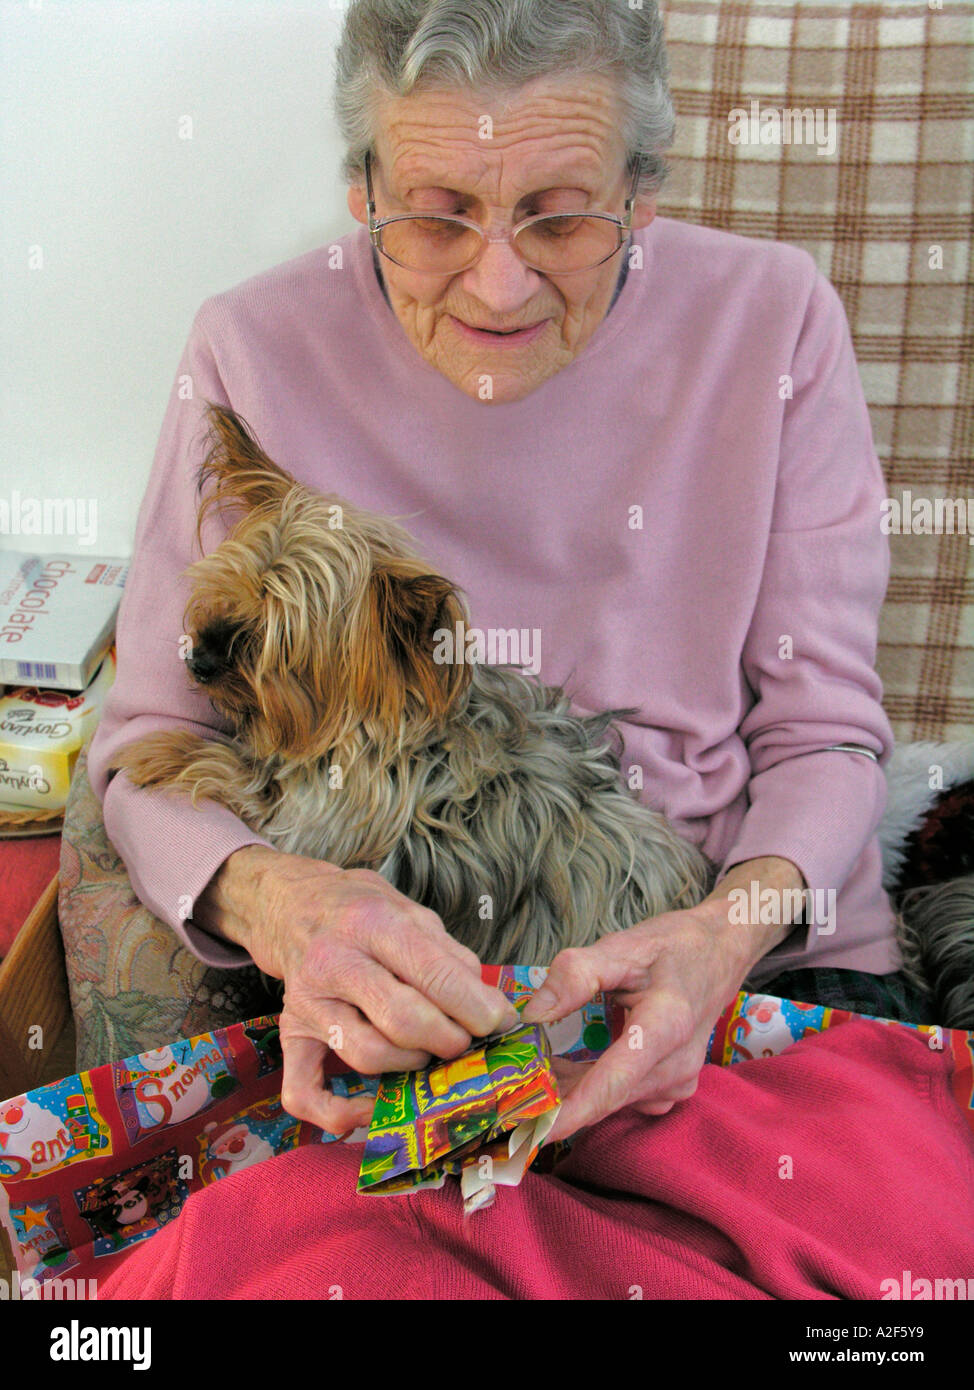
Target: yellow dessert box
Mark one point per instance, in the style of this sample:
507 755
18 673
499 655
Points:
41 734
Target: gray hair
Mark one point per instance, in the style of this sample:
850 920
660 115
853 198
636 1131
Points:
390 48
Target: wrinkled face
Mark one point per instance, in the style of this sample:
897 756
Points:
554 146
302 630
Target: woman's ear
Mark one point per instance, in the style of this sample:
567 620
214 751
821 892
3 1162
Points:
644 211
358 203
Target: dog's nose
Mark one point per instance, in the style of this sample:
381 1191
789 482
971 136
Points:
209 656
203 665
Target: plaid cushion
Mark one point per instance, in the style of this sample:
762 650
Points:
899 184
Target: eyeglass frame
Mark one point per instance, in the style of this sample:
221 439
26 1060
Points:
375 227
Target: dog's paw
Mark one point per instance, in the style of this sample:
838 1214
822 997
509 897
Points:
161 760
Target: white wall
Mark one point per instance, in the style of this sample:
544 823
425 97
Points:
137 225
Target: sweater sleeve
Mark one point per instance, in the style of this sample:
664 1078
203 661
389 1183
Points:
809 655
170 847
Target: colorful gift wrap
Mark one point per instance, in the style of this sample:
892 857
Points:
482 1117
94 1164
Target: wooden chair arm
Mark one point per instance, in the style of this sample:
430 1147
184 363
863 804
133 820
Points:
34 992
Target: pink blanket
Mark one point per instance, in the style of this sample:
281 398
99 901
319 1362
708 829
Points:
838 1169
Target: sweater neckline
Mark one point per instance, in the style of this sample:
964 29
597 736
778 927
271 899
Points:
622 314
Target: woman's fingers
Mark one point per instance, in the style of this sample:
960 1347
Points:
568 1075
578 973
373 975
354 1038
652 1061
365 942
664 1101
304 1093
427 985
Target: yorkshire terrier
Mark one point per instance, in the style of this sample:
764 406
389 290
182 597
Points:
473 789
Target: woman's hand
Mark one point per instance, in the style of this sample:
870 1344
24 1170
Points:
674 974
367 973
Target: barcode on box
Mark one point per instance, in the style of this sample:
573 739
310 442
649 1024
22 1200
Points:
36 670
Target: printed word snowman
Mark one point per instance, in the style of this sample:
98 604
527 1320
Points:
171 1091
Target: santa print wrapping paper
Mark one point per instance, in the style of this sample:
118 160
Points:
94 1164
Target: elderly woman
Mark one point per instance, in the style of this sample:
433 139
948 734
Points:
643 439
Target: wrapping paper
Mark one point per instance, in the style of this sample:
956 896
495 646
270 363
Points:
95 1163
481 1117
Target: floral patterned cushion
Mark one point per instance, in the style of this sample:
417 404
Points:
133 985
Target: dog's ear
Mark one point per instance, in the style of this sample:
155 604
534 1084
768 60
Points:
290 720
242 473
397 659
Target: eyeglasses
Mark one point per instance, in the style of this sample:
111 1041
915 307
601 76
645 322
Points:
562 243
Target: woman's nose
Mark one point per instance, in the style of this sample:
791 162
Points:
500 280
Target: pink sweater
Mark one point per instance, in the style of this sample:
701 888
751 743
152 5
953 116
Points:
760 530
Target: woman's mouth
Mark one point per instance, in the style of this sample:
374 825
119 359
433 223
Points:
498 338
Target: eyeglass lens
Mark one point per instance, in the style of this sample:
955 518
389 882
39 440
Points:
558 243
